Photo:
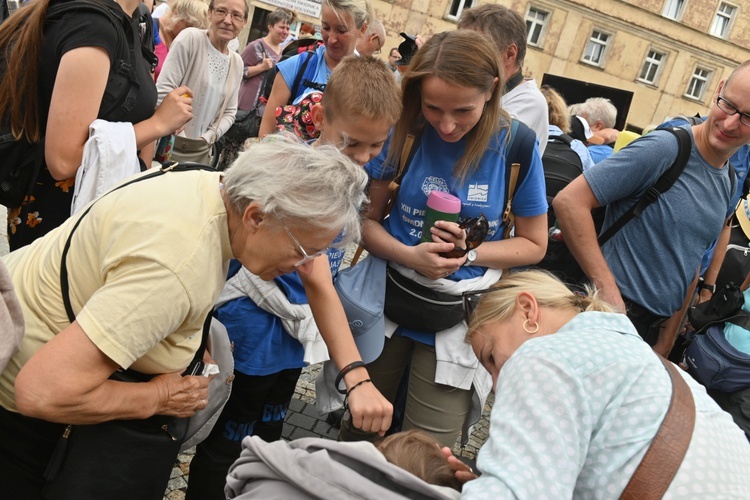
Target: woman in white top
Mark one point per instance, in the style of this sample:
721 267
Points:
202 61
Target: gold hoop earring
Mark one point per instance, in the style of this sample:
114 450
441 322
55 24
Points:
526 327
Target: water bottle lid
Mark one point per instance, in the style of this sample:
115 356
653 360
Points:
444 202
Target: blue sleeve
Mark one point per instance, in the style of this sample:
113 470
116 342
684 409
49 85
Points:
289 68
530 198
635 168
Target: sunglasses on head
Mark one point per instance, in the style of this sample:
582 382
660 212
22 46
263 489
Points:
476 231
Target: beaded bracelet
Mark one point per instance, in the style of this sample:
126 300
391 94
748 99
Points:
351 366
346 398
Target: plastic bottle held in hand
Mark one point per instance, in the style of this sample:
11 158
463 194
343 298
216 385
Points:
440 206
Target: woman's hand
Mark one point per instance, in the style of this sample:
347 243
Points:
370 411
181 396
449 232
175 111
426 260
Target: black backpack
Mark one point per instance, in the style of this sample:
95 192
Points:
22 160
292 50
561 165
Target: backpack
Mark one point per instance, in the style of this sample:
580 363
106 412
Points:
561 165
304 75
558 258
22 160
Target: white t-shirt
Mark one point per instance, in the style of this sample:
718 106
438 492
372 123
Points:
526 103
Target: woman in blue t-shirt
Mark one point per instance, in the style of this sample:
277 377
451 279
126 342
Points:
342 22
451 97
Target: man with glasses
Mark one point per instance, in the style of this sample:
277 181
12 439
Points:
372 42
652 263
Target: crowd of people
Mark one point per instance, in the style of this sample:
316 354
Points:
117 298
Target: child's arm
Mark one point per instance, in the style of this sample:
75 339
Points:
370 411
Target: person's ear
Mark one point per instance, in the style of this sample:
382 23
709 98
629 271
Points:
253 217
318 114
362 30
495 82
510 53
718 89
526 303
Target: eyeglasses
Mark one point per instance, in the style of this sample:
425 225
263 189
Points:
222 13
306 258
476 231
730 109
471 300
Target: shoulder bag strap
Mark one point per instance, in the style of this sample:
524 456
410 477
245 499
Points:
411 144
662 184
298 77
667 450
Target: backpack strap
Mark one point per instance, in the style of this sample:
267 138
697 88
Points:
302 73
661 185
520 146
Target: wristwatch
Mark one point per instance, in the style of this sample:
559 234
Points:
703 286
471 256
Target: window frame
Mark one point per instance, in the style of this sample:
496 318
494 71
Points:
730 19
668 6
659 66
459 9
706 82
535 22
605 50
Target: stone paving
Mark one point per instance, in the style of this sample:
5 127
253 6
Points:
303 420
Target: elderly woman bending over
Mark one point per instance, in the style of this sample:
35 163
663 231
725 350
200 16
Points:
578 399
146 276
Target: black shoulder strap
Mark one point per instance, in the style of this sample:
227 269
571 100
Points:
520 150
563 138
64 281
298 77
662 184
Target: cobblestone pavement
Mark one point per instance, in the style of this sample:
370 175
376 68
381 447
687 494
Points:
303 420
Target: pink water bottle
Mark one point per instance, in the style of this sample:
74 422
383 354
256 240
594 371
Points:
440 206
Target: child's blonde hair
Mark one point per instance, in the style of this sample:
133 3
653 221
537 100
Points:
362 87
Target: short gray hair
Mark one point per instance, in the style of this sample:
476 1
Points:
599 109
313 187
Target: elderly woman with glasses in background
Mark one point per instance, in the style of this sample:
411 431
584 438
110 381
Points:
202 61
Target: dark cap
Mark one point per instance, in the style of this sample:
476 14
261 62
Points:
407 49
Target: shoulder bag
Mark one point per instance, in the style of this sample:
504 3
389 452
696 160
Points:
128 459
247 122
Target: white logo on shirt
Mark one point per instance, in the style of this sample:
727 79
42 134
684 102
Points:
478 192
431 184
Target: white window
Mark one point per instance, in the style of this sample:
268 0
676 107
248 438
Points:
651 68
535 22
596 48
456 7
673 9
723 20
698 83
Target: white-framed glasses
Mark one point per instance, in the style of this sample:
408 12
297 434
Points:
306 257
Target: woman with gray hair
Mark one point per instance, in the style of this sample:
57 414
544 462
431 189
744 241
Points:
146 276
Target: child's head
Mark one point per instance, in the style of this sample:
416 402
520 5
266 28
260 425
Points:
360 104
417 452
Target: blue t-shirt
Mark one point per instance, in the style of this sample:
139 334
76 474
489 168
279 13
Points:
739 161
261 344
654 257
316 67
483 190
600 152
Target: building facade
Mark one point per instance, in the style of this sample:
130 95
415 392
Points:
670 53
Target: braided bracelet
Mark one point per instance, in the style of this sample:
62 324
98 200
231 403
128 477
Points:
346 398
351 366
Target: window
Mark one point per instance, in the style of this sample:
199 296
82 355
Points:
698 83
456 7
651 67
535 22
673 9
723 20
596 48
